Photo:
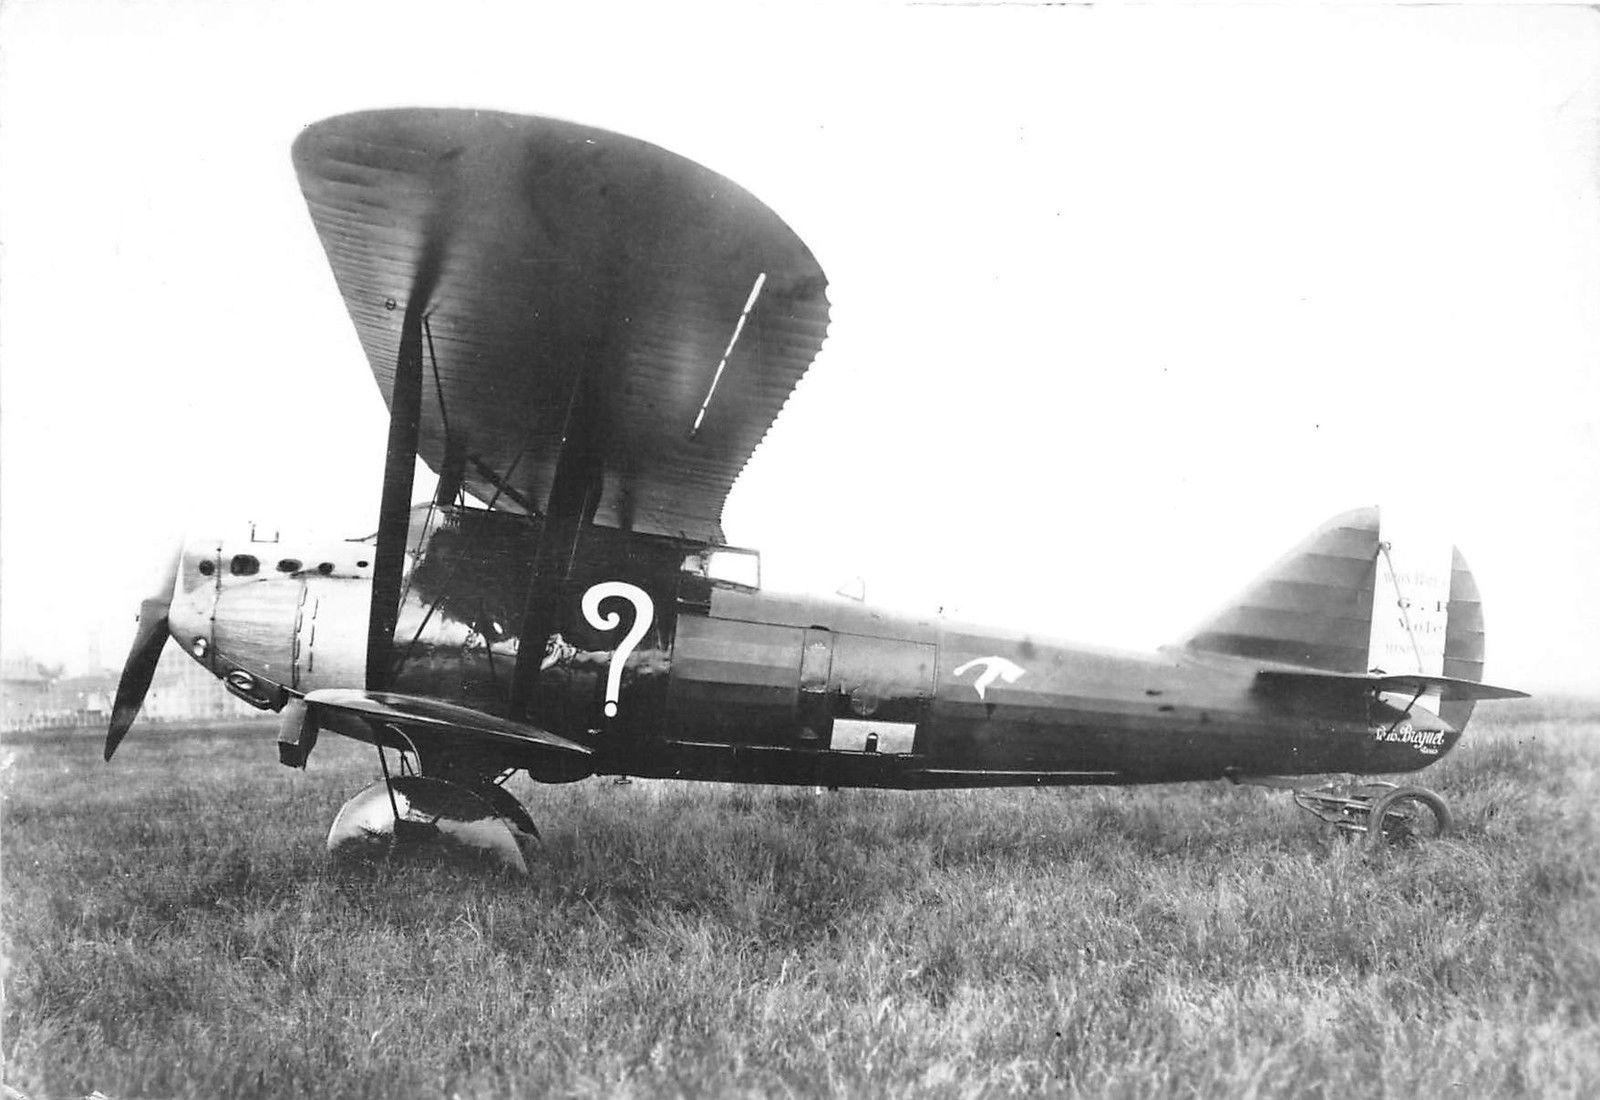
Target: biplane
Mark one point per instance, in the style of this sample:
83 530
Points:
586 336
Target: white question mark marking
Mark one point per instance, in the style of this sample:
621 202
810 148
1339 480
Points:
644 611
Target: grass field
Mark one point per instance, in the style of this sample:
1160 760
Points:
172 928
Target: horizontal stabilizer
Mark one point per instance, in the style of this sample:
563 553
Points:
1447 687
413 712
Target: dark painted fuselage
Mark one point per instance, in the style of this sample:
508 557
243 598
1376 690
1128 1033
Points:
723 682
767 689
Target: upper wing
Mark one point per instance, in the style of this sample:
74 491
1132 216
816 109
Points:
555 256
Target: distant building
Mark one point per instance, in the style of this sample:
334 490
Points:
89 695
35 695
183 690
25 691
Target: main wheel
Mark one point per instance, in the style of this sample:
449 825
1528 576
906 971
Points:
434 814
1407 815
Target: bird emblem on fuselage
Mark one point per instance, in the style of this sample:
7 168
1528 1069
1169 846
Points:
994 668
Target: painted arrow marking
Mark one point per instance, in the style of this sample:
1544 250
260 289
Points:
994 668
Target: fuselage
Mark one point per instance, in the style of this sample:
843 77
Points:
664 670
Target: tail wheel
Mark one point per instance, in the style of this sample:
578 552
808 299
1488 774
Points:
1407 815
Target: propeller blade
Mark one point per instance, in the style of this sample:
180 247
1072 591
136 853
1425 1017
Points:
140 666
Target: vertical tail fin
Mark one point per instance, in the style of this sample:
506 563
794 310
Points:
1364 592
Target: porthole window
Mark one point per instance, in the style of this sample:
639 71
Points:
361 565
326 569
207 567
289 565
244 565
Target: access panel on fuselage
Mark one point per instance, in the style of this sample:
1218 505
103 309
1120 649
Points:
879 690
748 683
735 682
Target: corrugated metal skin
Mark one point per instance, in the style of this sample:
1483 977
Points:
1312 608
553 249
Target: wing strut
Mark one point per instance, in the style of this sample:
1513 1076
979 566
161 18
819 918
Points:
455 447
574 496
394 509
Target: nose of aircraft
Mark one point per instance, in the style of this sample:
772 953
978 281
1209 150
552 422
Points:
193 603
140 666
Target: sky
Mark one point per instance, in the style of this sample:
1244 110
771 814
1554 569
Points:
1126 300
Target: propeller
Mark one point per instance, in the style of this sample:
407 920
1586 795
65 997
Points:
140 666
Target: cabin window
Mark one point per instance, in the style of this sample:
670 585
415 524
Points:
726 566
244 565
740 568
289 565
207 567
326 569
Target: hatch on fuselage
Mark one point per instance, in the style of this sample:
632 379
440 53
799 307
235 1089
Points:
741 678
